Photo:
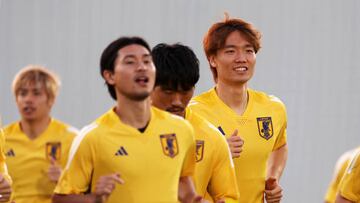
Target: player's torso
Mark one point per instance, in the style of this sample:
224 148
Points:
150 163
259 128
28 160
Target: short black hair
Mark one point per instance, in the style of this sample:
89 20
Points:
110 54
176 66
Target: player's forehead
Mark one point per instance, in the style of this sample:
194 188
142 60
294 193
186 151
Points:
133 51
237 39
32 86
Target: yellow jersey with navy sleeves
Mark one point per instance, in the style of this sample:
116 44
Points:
214 175
28 160
340 169
150 163
350 183
262 127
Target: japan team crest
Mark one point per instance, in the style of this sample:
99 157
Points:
53 149
169 145
265 127
199 150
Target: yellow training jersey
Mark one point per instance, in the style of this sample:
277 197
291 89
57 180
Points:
28 160
3 167
150 163
350 183
339 171
262 127
214 174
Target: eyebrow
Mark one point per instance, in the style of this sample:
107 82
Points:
134 56
234 46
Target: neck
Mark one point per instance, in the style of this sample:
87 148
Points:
234 97
134 113
34 128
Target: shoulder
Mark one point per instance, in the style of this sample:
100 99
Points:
202 99
355 162
209 130
170 119
11 129
64 127
266 100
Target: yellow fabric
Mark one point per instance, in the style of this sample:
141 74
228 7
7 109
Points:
149 165
34 199
339 171
350 183
262 127
3 167
214 165
28 161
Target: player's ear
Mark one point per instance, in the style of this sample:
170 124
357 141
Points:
108 76
212 61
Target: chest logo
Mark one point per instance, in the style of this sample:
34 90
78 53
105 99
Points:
265 127
10 153
121 152
169 145
53 150
200 144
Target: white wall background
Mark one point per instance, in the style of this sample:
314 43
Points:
310 59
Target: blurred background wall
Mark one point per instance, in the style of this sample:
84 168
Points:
310 59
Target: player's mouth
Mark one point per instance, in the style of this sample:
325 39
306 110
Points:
142 80
28 109
240 69
175 110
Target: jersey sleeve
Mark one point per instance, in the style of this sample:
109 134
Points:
223 172
77 175
70 134
3 167
190 156
281 139
339 171
349 185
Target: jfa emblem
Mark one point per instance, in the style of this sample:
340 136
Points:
53 149
169 145
265 127
199 150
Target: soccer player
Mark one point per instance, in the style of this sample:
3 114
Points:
36 146
339 172
243 115
132 153
349 191
177 72
5 180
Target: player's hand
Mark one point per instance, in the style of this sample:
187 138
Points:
54 170
273 191
235 144
106 184
221 201
5 189
199 199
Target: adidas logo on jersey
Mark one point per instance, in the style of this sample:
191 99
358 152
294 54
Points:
10 153
121 152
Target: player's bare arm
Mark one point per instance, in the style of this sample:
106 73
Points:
187 192
341 199
103 189
276 165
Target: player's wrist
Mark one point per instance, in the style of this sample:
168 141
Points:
98 199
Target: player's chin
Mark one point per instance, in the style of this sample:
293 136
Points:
140 96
